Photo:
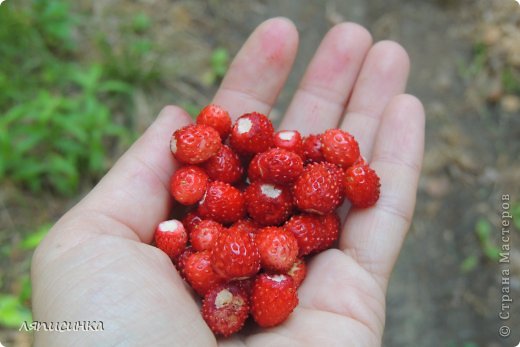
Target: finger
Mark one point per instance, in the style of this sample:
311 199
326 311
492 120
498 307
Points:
374 236
260 69
320 100
134 193
383 75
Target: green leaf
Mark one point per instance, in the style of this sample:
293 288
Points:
469 264
26 289
141 22
63 173
492 252
483 229
32 240
12 312
515 211
219 62
115 87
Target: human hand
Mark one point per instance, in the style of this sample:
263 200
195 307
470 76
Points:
97 262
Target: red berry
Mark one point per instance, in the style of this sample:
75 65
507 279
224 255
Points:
204 234
180 264
268 204
252 133
290 140
195 143
298 272
190 221
329 231
304 227
312 149
278 248
171 238
248 226
234 255
222 203
339 147
225 309
273 299
360 161
361 185
188 184
200 274
224 166
245 284
253 171
278 166
338 175
317 190
217 118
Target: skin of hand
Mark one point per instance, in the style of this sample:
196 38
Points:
97 263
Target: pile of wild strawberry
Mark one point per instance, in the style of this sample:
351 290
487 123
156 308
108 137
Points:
251 229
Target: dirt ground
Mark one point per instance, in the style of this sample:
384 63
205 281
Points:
472 139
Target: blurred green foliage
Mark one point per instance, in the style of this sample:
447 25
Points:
15 308
12 311
130 58
484 232
57 124
477 63
515 211
469 264
511 81
219 62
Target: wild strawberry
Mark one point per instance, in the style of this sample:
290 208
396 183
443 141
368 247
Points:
329 231
253 171
298 271
190 221
268 204
304 227
234 255
278 166
317 190
290 140
312 149
224 166
204 234
180 264
217 118
199 272
338 175
195 143
248 226
339 147
188 184
171 238
246 285
273 299
361 186
278 248
252 133
360 161
225 309
222 203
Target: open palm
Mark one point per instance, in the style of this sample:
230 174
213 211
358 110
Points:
96 263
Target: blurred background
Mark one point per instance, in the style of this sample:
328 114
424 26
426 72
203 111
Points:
80 80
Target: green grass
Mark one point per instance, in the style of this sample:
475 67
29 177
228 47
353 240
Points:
58 124
484 231
15 307
63 116
511 81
